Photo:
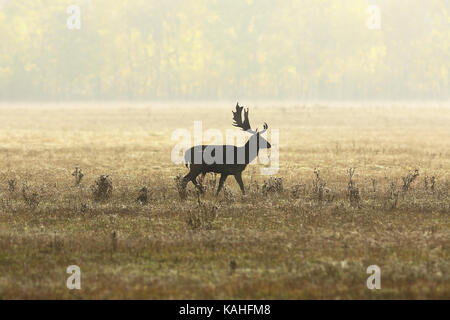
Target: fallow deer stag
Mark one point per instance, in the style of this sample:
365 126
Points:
226 159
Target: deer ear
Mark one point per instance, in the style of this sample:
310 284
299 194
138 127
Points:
237 104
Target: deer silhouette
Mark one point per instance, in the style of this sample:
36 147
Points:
225 159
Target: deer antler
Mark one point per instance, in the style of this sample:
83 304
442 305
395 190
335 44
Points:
237 117
265 128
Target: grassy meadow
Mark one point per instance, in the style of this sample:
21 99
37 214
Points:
308 232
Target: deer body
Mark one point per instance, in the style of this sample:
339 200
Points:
225 159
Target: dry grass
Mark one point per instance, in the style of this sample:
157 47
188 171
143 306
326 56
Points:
305 233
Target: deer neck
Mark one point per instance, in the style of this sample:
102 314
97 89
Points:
251 149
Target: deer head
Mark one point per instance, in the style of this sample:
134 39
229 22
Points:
245 126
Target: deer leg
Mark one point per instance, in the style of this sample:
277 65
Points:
194 181
238 178
223 177
186 179
192 174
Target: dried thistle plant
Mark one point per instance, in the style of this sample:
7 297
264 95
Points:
297 189
78 174
181 188
433 183
273 185
143 195
202 185
409 179
32 199
393 195
203 216
319 185
102 188
12 183
352 189
228 195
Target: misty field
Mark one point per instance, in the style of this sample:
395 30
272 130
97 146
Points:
357 186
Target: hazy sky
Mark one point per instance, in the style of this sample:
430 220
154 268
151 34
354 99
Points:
205 49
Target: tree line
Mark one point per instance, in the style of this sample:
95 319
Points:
217 49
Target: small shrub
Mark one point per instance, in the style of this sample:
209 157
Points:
78 175
181 187
31 198
273 185
409 179
102 189
433 182
352 189
429 184
84 207
253 188
202 217
143 196
202 185
328 194
320 191
228 195
393 195
297 190
12 185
